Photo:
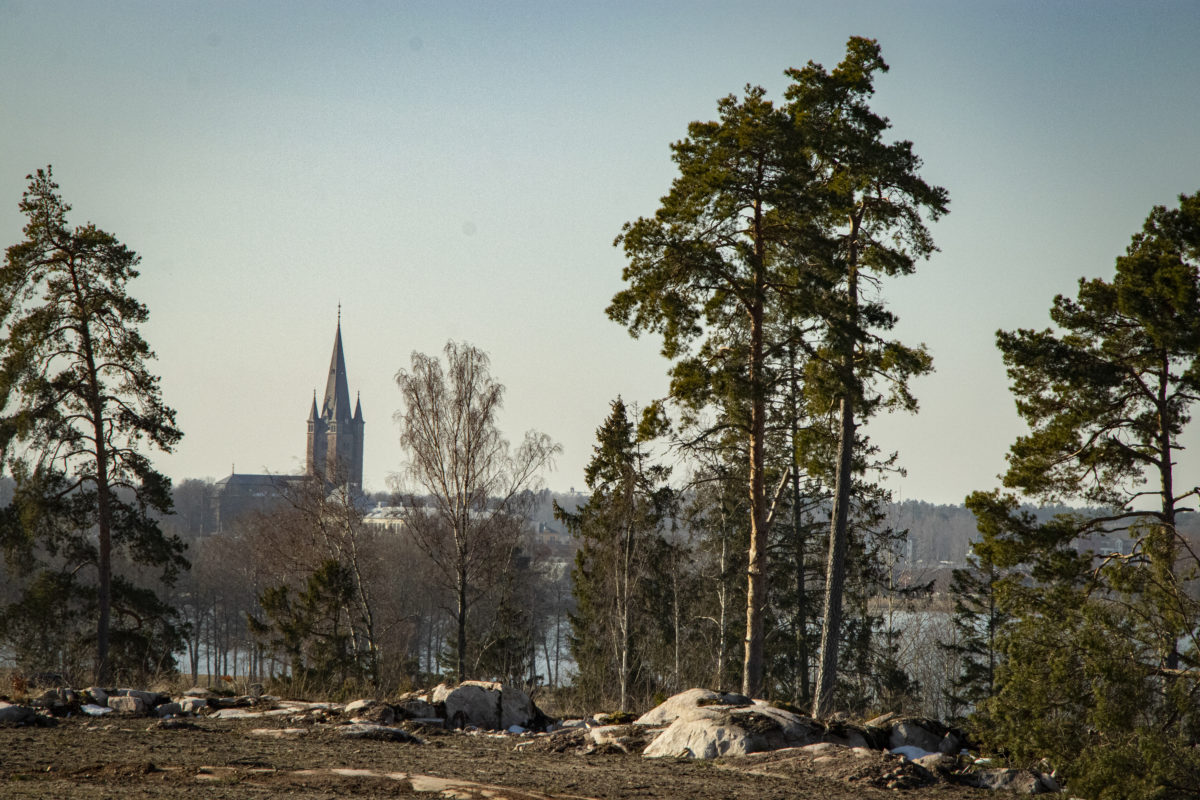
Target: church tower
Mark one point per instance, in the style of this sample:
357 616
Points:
335 434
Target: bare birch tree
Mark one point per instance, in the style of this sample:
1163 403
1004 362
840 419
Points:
466 486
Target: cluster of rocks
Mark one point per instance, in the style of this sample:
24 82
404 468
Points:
749 735
96 701
471 704
891 751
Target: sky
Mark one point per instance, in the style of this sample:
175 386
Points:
453 170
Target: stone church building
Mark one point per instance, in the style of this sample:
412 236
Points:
334 451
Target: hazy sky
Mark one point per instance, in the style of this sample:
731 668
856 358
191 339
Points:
459 170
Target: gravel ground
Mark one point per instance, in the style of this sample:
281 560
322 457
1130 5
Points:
130 758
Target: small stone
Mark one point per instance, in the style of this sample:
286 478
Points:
193 705
169 710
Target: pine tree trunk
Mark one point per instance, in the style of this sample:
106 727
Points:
835 569
1165 554
803 694
756 569
839 533
95 402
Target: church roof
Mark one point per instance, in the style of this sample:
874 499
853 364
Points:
242 480
337 387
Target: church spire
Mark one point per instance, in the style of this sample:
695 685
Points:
335 432
337 388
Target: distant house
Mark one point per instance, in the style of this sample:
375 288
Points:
385 519
334 452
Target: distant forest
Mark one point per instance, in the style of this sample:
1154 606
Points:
939 536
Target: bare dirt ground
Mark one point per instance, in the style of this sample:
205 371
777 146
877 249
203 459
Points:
131 758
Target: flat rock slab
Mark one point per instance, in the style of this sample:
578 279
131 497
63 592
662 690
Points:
383 733
278 733
241 713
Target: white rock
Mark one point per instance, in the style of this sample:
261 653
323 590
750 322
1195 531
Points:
912 753
278 733
670 709
93 710
193 705
127 704
235 713
713 731
355 706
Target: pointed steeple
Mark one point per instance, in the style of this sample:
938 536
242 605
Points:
337 388
358 407
312 414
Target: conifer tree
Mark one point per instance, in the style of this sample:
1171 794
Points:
873 207
619 533
777 215
79 407
1105 636
978 618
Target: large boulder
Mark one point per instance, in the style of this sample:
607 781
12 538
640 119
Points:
485 704
683 703
707 732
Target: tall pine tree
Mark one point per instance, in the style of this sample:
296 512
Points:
79 407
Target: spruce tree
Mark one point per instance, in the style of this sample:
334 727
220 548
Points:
619 529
